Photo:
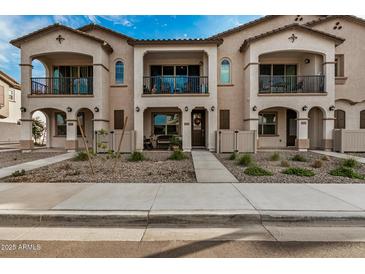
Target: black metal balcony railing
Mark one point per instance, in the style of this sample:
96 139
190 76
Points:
291 84
62 86
175 85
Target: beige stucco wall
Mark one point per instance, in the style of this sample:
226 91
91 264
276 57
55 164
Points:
4 109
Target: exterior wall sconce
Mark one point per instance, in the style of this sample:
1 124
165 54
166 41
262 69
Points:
23 109
307 61
212 108
138 109
96 109
254 108
305 108
186 108
69 109
332 108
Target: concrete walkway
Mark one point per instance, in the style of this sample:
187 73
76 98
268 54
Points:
110 204
208 169
340 155
7 171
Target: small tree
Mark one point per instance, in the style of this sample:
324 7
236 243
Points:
38 128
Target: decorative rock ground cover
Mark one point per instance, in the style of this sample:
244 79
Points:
12 158
157 168
264 160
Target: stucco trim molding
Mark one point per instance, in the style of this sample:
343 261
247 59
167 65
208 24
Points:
118 86
329 118
328 63
340 80
302 119
101 120
59 96
176 95
102 66
249 64
251 119
26 65
293 94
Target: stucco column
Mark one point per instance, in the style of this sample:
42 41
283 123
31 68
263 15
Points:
212 128
302 141
186 130
138 127
328 126
253 124
71 143
26 141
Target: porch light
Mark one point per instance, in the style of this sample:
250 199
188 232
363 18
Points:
23 109
307 61
305 108
212 108
137 109
186 108
254 108
96 109
69 109
332 108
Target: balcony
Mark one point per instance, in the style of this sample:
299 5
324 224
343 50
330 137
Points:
62 86
273 84
175 85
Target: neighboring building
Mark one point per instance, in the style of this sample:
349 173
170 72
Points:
293 79
10 103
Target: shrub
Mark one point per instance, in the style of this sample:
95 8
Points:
136 156
325 158
233 156
285 163
351 162
317 163
257 171
299 171
346 172
18 173
245 160
81 156
299 158
275 157
177 155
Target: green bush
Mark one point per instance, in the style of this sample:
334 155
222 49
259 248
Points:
299 158
177 155
18 173
245 160
81 156
275 156
346 172
136 156
233 156
299 171
285 163
350 163
325 158
317 163
257 171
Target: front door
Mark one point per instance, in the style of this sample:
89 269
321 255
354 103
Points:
291 127
198 128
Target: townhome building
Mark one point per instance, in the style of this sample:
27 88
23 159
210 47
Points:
10 103
276 82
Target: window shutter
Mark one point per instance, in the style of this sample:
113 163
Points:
340 121
118 119
362 119
224 119
2 96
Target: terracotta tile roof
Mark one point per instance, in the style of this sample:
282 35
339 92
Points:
247 42
9 80
216 41
17 42
96 26
329 17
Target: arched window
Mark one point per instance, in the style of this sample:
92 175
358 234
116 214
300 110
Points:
340 117
225 72
362 119
119 72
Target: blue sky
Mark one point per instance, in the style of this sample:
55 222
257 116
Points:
147 27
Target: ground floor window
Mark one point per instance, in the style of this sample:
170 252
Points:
340 119
61 128
166 124
267 123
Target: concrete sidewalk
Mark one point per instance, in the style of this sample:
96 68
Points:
7 171
133 204
340 155
208 169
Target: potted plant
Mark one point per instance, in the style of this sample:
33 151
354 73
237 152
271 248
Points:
175 142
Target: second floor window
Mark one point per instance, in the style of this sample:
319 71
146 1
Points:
119 72
225 72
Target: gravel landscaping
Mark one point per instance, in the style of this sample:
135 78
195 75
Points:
262 159
155 169
11 158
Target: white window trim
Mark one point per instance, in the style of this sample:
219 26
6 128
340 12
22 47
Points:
262 125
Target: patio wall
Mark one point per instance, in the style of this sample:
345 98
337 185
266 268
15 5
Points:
128 143
345 140
236 140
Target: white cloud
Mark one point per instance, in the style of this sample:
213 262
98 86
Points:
119 20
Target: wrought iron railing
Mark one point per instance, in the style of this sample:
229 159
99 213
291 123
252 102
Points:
175 85
291 84
62 86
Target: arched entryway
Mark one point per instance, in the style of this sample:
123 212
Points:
85 118
315 128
